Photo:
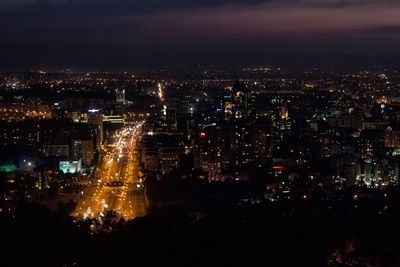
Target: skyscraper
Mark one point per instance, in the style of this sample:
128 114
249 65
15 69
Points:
171 118
120 95
95 117
238 119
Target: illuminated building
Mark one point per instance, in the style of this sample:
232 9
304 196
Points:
183 107
120 95
392 138
169 159
58 146
171 118
242 100
262 141
209 151
83 149
8 168
151 161
114 119
70 166
280 118
95 117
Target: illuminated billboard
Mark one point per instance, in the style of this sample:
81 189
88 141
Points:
71 166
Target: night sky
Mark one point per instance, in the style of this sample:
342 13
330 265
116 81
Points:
118 34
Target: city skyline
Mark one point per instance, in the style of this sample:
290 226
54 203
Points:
171 167
200 133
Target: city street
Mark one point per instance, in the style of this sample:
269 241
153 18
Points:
117 185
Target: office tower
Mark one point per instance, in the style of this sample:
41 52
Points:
242 100
82 148
120 95
95 117
262 141
170 118
209 150
170 159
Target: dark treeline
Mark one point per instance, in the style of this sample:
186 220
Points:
298 233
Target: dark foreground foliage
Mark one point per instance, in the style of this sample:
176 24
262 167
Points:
301 233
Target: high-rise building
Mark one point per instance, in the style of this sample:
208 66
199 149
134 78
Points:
120 95
242 100
151 160
238 103
169 159
262 141
280 118
209 150
240 145
183 107
239 131
392 138
83 149
171 118
57 146
95 117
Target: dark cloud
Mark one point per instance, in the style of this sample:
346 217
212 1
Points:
117 7
114 33
128 7
382 30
